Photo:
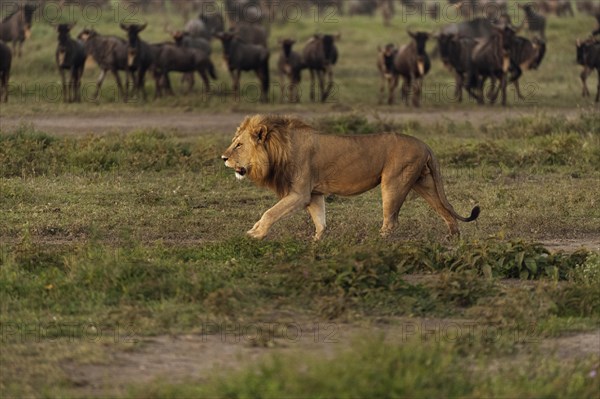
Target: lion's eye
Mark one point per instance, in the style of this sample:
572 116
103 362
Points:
238 145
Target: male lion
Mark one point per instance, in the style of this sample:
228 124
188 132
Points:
302 166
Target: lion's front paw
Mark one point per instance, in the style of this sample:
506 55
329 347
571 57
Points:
256 234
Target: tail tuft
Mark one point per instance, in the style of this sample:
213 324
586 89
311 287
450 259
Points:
474 214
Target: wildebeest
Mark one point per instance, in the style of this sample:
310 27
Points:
478 27
320 54
110 53
5 62
251 33
536 22
140 58
241 56
412 63
16 27
205 26
455 52
244 11
475 28
525 55
362 7
491 59
385 65
174 58
591 7
588 56
559 7
184 39
70 56
289 65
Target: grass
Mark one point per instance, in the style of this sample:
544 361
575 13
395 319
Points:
118 230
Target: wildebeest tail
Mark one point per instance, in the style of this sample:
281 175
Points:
541 53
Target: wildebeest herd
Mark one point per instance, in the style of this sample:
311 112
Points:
485 47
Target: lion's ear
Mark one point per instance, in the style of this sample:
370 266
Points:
261 133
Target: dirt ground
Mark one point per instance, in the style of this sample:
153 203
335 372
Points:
195 123
195 357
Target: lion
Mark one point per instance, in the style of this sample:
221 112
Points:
302 167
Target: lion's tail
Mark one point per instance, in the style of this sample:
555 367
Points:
434 166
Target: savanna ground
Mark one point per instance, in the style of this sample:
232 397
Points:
124 269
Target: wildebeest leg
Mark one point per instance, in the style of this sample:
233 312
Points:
382 88
493 92
416 100
405 90
514 78
17 46
166 81
321 77
518 90
584 75
205 81
458 80
392 89
4 86
294 91
316 209
78 75
71 84
157 83
261 77
235 75
598 89
283 87
99 83
128 76
64 85
312 85
329 73
119 84
142 84
503 84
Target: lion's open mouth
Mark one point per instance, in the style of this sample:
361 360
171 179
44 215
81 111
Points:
240 173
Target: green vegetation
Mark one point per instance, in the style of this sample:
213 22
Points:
145 230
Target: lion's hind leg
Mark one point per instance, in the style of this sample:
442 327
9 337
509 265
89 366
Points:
426 188
316 209
393 193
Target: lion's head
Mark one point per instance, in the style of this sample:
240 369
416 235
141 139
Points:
261 150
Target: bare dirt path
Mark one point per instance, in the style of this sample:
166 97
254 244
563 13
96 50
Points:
195 357
195 123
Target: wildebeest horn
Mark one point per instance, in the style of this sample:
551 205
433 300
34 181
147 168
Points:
142 27
123 26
